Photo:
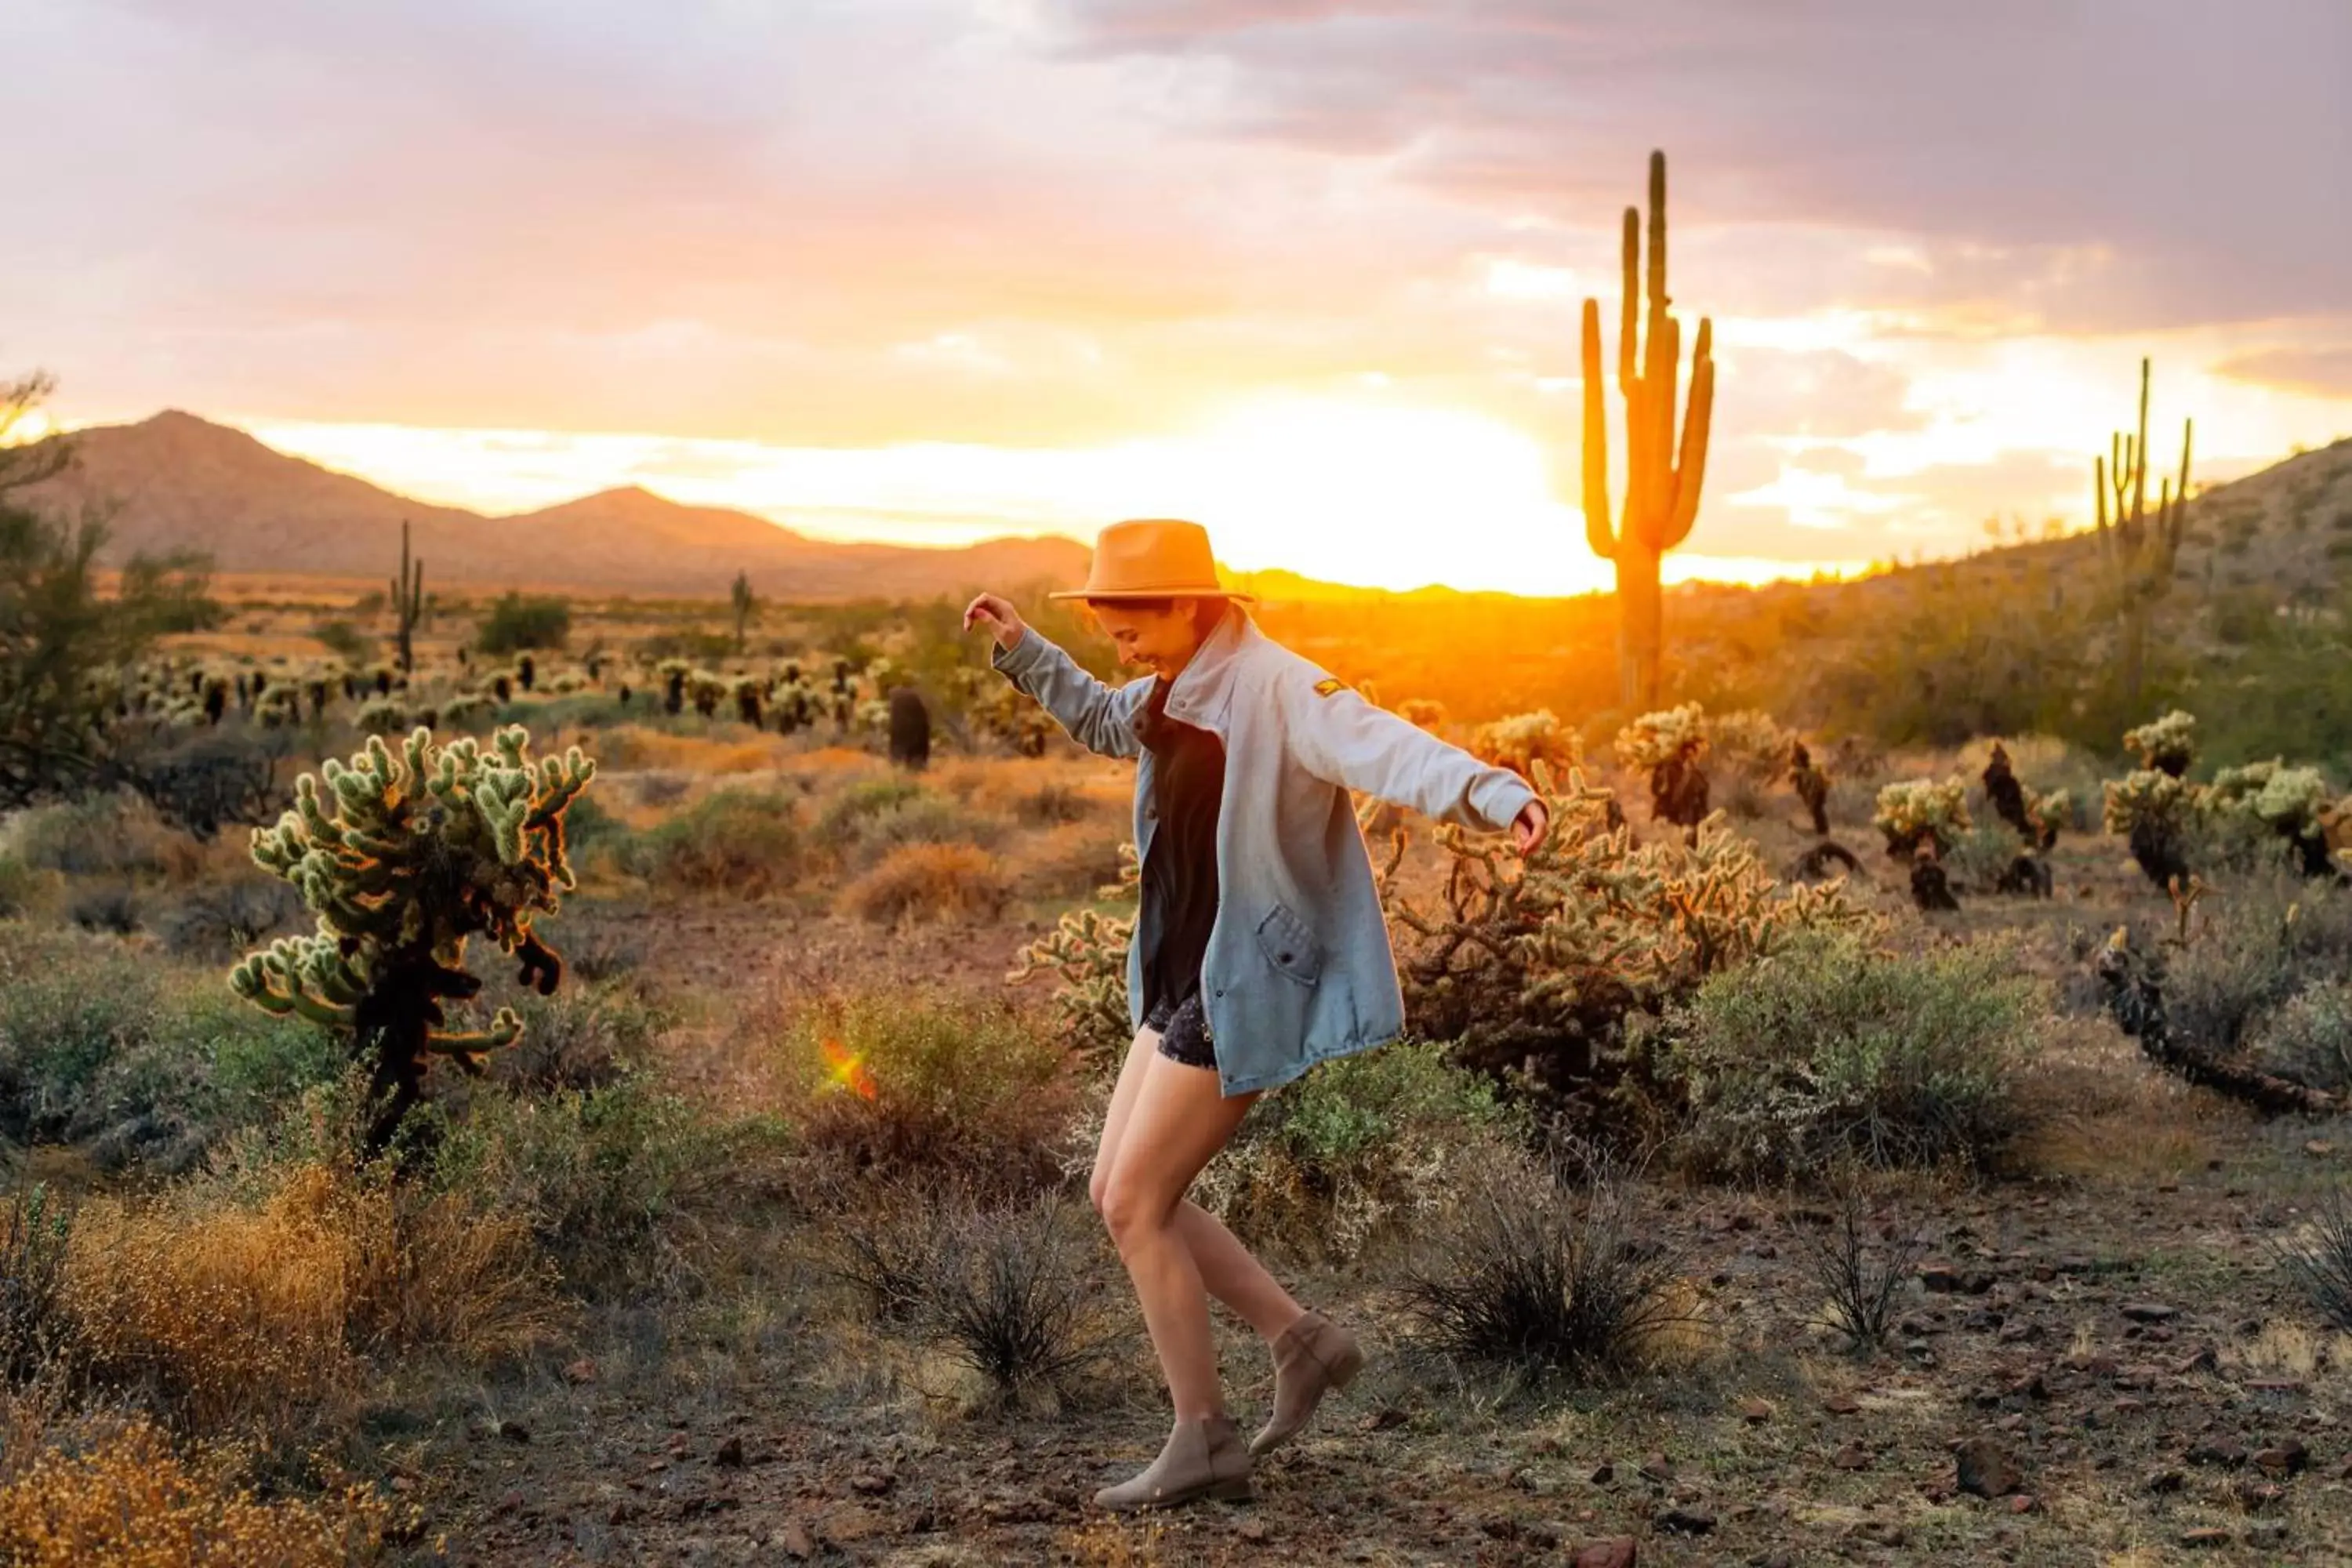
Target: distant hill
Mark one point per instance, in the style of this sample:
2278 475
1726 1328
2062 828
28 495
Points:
177 481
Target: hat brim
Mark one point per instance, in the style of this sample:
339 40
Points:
1112 595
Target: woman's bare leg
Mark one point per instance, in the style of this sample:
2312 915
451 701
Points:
1177 1120
1227 1269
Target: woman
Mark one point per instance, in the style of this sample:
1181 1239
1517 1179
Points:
1259 948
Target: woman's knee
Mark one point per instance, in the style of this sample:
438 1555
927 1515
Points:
1130 1208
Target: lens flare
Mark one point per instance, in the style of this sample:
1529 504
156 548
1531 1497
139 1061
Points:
844 1070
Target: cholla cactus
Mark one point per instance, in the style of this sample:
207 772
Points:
1538 959
1917 811
2290 801
381 716
873 716
468 709
2153 811
1518 742
403 858
1755 743
1087 950
1655 738
706 689
2167 745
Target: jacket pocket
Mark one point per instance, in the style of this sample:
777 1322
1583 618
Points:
1289 946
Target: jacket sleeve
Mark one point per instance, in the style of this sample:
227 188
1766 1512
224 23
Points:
1343 740
1096 714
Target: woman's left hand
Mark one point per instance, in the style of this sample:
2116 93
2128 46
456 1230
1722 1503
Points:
1528 828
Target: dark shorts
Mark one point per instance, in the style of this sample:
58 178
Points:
1183 1032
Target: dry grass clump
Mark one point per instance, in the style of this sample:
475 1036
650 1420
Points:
634 748
928 882
1067 862
1529 1271
1862 1269
740 842
2320 1260
1016 1295
254 1316
128 1500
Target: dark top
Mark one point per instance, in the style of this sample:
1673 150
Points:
1180 874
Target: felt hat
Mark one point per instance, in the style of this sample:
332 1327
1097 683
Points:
1152 558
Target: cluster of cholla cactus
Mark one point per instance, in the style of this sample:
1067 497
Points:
1921 813
1669 745
401 858
2153 807
1522 740
2292 803
1087 951
997 708
2166 745
1754 744
2035 815
1533 962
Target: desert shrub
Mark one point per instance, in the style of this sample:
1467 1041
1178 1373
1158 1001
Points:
127 1496
2260 940
1016 1293
517 621
582 1037
19 885
742 842
70 1006
345 641
1356 1148
116 835
1831 1051
891 1085
220 920
1069 861
252 1317
1977 856
34 1240
216 778
106 905
929 882
2308 1037
1527 1269
924 818
1052 804
615 1182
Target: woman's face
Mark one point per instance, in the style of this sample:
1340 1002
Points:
1161 641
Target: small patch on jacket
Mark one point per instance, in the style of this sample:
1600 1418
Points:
1327 685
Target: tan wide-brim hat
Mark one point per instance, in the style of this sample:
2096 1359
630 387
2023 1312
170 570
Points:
1152 558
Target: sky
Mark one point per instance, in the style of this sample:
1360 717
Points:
1309 271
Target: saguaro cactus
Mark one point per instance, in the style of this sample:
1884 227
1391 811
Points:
2142 549
407 600
401 858
1660 488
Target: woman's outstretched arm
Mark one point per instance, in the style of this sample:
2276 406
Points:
1345 741
1097 715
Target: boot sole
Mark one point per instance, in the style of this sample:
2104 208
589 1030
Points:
1237 1490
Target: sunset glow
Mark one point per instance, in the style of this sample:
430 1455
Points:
936 272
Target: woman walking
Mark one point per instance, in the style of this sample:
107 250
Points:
1259 949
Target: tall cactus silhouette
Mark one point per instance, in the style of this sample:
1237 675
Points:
407 600
2142 549
402 858
1662 475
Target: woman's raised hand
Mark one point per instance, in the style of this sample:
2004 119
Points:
1528 828
996 614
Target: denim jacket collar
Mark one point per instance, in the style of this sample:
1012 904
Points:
1202 690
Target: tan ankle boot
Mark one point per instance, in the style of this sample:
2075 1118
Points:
1203 1459
1311 1355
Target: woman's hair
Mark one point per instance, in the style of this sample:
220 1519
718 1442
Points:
1207 610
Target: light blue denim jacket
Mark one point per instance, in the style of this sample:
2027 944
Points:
1299 966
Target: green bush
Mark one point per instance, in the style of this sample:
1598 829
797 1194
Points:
517 622
926 1086
19 884
846 815
2309 1039
741 841
345 641
1356 1148
1831 1051
114 834
583 1037
2258 940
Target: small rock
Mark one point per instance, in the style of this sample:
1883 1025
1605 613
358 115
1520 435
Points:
1603 1474
1985 1468
1252 1529
730 1455
873 1483
1755 1412
2226 1452
2021 1503
793 1540
1842 1404
2252 1494
514 1431
2148 1311
1659 1468
2319 1148
1618 1552
1853 1456
2207 1535
510 1503
580 1372
1686 1520
2287 1459
2164 1482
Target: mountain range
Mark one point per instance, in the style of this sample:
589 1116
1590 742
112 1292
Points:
178 481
